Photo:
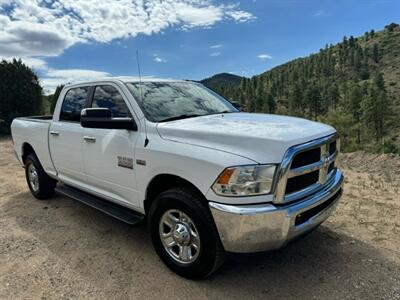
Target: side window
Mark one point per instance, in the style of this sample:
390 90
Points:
73 103
107 96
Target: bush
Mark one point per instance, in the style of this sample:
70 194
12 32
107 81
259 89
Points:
391 27
21 93
344 124
387 146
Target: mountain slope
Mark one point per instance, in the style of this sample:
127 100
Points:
222 79
354 85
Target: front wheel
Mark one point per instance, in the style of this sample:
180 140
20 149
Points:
184 234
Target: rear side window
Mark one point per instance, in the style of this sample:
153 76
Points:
107 96
73 103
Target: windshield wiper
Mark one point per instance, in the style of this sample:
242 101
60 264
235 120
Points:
185 116
223 112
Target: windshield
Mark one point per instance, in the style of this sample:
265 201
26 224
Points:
167 101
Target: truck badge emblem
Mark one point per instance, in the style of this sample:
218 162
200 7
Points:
323 175
125 162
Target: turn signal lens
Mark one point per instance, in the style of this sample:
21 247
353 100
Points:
225 176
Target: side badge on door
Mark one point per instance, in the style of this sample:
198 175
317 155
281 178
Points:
125 162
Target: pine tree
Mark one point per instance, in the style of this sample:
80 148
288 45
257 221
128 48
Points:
375 107
375 53
333 96
270 104
295 101
353 99
313 97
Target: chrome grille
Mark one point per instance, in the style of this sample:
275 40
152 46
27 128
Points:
300 165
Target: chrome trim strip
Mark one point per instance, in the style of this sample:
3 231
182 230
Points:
311 168
305 169
284 172
310 189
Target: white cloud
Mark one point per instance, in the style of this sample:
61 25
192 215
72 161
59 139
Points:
198 16
158 59
264 56
241 16
35 29
52 78
215 46
76 73
319 13
215 54
46 28
34 63
22 38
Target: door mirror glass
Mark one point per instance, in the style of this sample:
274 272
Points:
102 118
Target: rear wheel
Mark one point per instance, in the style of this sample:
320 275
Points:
40 184
184 234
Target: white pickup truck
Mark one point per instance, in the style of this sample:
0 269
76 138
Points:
209 178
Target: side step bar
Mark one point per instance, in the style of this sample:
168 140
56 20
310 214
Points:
117 211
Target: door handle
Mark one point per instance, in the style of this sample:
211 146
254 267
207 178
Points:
55 133
89 139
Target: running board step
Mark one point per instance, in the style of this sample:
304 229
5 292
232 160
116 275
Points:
117 211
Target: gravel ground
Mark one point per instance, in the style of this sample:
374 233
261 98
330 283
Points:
63 249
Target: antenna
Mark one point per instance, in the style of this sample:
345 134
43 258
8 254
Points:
146 140
138 66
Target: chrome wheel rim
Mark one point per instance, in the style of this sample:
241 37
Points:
179 236
33 177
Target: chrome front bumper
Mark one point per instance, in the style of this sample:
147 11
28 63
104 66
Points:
253 228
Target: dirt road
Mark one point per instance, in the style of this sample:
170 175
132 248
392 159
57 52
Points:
63 249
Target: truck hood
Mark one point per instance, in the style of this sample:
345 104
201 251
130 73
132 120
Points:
262 138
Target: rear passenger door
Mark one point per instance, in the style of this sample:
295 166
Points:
109 153
65 137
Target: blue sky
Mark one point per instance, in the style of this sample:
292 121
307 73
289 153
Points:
74 40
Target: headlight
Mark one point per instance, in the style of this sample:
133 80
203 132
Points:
245 180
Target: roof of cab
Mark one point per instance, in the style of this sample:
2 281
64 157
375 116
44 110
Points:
124 79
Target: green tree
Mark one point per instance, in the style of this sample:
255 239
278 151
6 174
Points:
270 104
353 99
375 53
372 33
344 124
20 93
333 96
295 101
391 27
375 107
379 81
314 100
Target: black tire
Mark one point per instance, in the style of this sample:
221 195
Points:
211 254
46 184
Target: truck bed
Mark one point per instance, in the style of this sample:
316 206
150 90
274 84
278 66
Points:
33 131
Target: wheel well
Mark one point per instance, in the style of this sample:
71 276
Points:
26 150
164 182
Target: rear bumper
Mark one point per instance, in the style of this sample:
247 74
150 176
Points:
253 228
